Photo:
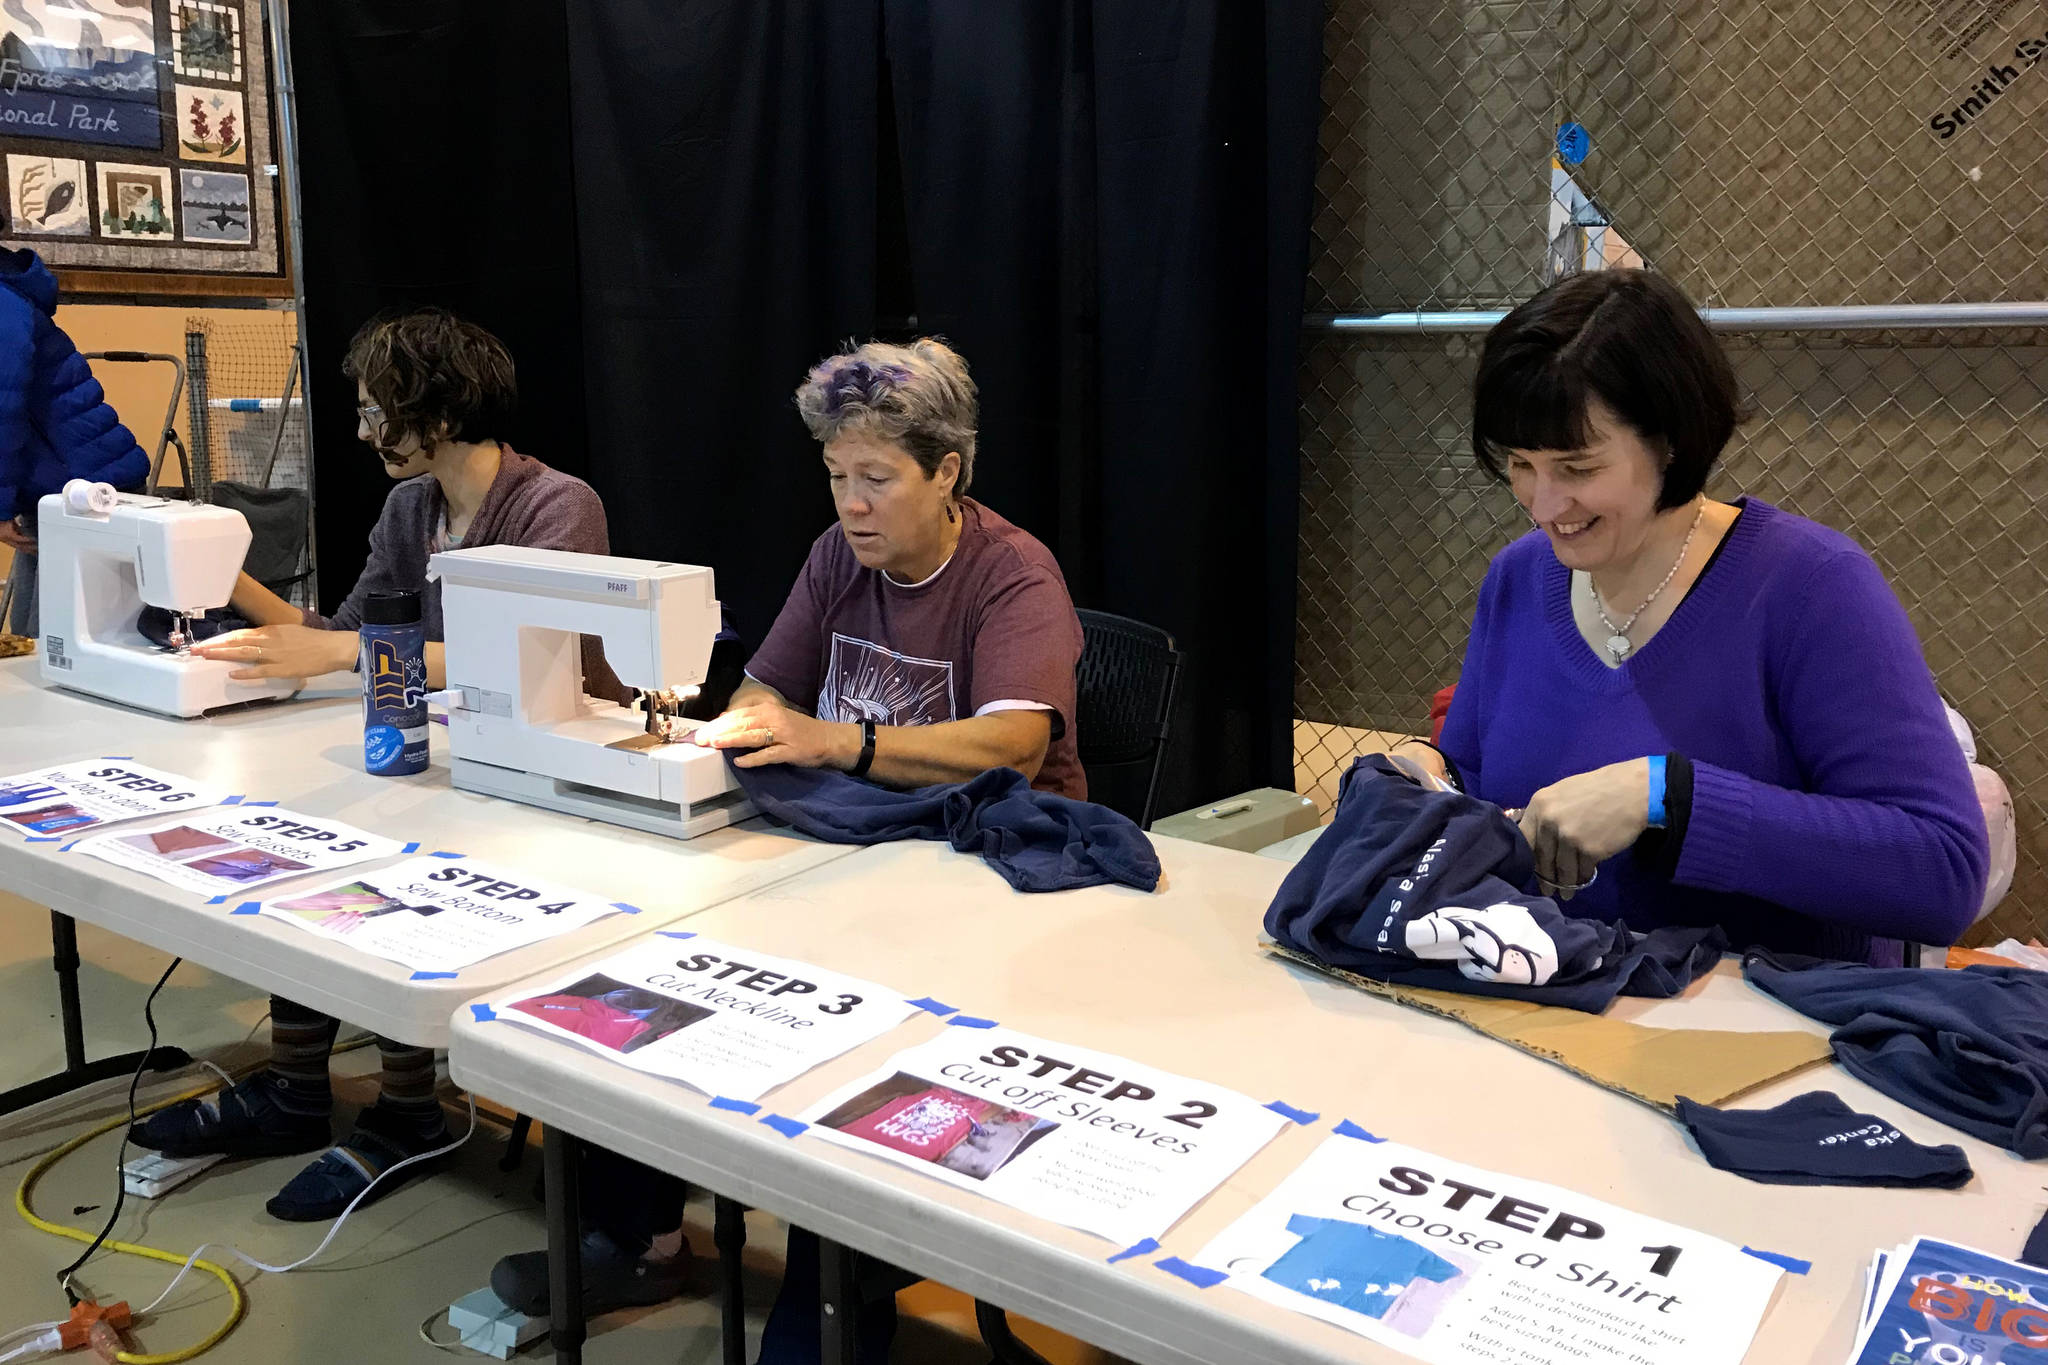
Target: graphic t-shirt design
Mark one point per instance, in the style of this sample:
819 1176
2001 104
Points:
1352 1265
925 1124
865 681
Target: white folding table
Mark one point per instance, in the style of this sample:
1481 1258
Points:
1176 980
306 754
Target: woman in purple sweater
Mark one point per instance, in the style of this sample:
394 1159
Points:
1709 712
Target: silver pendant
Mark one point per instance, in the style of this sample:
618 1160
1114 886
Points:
1618 646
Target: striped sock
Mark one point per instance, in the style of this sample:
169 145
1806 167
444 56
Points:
409 1087
300 1042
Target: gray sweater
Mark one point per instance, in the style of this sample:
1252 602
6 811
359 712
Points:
527 504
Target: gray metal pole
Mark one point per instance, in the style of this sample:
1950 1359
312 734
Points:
1846 318
288 163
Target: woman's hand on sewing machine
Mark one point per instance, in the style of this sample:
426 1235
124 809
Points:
281 651
778 734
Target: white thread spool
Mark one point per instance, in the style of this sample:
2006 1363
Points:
82 496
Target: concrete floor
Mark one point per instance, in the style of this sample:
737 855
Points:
395 1264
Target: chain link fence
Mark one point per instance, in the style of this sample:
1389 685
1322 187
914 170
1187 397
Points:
1765 156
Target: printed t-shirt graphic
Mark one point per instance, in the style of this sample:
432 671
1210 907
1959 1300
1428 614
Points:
614 1025
865 681
926 1124
1352 1265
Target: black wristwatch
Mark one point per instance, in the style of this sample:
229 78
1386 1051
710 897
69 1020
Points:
867 751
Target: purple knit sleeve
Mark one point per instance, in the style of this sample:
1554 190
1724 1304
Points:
1886 834
1476 688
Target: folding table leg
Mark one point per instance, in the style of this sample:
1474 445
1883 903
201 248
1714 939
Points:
1002 1343
515 1142
729 1230
838 1302
78 1072
565 1237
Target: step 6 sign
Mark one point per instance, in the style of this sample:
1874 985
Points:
233 848
1084 1138
72 797
727 1020
1457 1265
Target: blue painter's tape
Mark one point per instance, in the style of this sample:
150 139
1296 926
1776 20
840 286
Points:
119 758
259 803
218 900
787 1127
677 933
410 848
1349 1129
968 1021
444 854
50 839
1791 1263
1303 1116
737 1106
433 976
68 847
245 405
931 1006
1144 1248
245 908
629 909
1200 1276
234 800
483 1014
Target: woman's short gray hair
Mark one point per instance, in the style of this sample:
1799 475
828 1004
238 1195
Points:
919 397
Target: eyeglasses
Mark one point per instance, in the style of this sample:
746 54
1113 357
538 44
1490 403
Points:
365 413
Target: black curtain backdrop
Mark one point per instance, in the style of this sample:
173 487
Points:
435 159
726 179
1104 206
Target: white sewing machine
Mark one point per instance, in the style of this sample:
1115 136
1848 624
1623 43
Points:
519 724
103 556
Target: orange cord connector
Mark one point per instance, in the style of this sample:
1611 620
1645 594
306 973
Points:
100 1328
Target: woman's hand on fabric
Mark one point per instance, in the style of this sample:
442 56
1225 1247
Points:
281 651
778 734
1575 825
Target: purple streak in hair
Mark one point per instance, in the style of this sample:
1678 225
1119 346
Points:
859 381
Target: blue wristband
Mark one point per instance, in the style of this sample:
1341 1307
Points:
1657 817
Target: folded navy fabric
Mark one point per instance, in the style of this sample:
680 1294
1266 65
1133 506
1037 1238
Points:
1968 1047
1424 887
1815 1139
1037 841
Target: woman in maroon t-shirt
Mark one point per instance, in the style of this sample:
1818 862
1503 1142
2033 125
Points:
927 639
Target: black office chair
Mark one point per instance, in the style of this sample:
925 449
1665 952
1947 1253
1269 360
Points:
1128 675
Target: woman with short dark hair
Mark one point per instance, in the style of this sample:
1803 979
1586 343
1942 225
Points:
434 394
1713 713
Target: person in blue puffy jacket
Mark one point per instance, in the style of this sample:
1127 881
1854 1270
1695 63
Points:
55 423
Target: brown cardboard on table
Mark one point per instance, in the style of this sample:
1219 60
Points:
1654 1065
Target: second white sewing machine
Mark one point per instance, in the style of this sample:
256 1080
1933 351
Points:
519 724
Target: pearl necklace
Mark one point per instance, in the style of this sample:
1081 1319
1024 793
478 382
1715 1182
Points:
1618 643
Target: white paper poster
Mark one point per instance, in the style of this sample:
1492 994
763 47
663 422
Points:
727 1020
71 797
440 913
1457 1265
1084 1138
230 849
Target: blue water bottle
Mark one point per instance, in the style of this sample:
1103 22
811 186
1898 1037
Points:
394 667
